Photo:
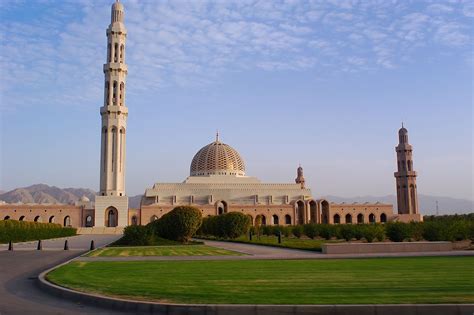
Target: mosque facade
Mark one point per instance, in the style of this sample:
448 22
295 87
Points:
217 181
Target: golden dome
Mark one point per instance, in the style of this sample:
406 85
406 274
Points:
217 158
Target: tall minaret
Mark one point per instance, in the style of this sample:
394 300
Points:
114 126
407 196
300 178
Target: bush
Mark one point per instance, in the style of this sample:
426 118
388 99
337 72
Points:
137 235
297 231
228 225
21 231
327 231
267 230
311 230
347 232
372 232
180 224
398 231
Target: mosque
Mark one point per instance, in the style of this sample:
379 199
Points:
217 182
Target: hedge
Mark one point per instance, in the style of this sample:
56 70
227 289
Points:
180 224
228 225
22 231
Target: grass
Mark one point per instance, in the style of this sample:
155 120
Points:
180 250
344 281
286 242
158 241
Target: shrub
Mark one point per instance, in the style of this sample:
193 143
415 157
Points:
372 232
233 224
398 231
267 230
297 231
311 230
137 235
180 224
417 230
286 231
21 231
347 232
327 231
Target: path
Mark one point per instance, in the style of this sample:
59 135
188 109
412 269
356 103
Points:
20 268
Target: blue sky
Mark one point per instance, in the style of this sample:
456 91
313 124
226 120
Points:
321 83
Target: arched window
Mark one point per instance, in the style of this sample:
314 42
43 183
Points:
109 52
111 217
116 52
221 207
313 212
300 212
383 218
275 219
121 54
37 218
122 89
22 218
114 93
107 92
51 219
360 218
264 220
348 219
67 221
337 219
287 219
371 218
153 218
134 220
7 218
114 144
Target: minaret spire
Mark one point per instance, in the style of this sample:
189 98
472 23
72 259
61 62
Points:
217 135
300 177
407 195
114 113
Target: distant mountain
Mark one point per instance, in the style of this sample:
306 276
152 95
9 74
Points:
42 193
427 203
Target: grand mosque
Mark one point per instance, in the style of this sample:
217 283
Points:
217 181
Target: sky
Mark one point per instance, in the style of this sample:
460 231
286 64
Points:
324 84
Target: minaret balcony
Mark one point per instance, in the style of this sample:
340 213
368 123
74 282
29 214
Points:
115 66
114 109
405 174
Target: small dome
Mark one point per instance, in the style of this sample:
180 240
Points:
402 131
117 6
84 199
217 158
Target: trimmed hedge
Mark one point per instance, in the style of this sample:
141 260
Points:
180 224
137 235
228 225
22 231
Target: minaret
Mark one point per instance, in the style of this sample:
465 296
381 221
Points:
300 178
114 114
407 196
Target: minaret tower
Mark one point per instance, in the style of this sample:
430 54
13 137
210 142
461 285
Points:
111 207
407 196
300 178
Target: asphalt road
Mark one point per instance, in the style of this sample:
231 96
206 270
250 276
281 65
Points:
19 269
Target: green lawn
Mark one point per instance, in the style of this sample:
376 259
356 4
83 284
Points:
335 281
287 242
180 250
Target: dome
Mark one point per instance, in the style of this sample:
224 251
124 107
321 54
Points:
217 158
402 131
84 199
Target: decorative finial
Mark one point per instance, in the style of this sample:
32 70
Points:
402 124
217 135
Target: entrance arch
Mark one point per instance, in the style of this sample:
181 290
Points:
300 212
22 218
37 218
383 218
325 211
153 218
67 221
111 217
275 219
337 219
89 221
360 218
313 214
371 218
221 207
51 219
348 219
7 218
134 220
287 219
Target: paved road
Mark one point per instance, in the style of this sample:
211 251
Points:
19 269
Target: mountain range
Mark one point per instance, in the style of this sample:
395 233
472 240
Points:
42 193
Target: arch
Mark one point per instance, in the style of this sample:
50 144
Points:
313 211
111 217
372 218
121 54
325 211
413 199
116 52
67 221
360 218
106 91
383 218
153 218
114 145
337 219
288 219
21 218
6 218
275 220
109 52
122 89
51 219
38 219
134 220
348 219
114 92
89 221
251 219
300 212
264 219
221 207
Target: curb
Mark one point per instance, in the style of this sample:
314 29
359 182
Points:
139 307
